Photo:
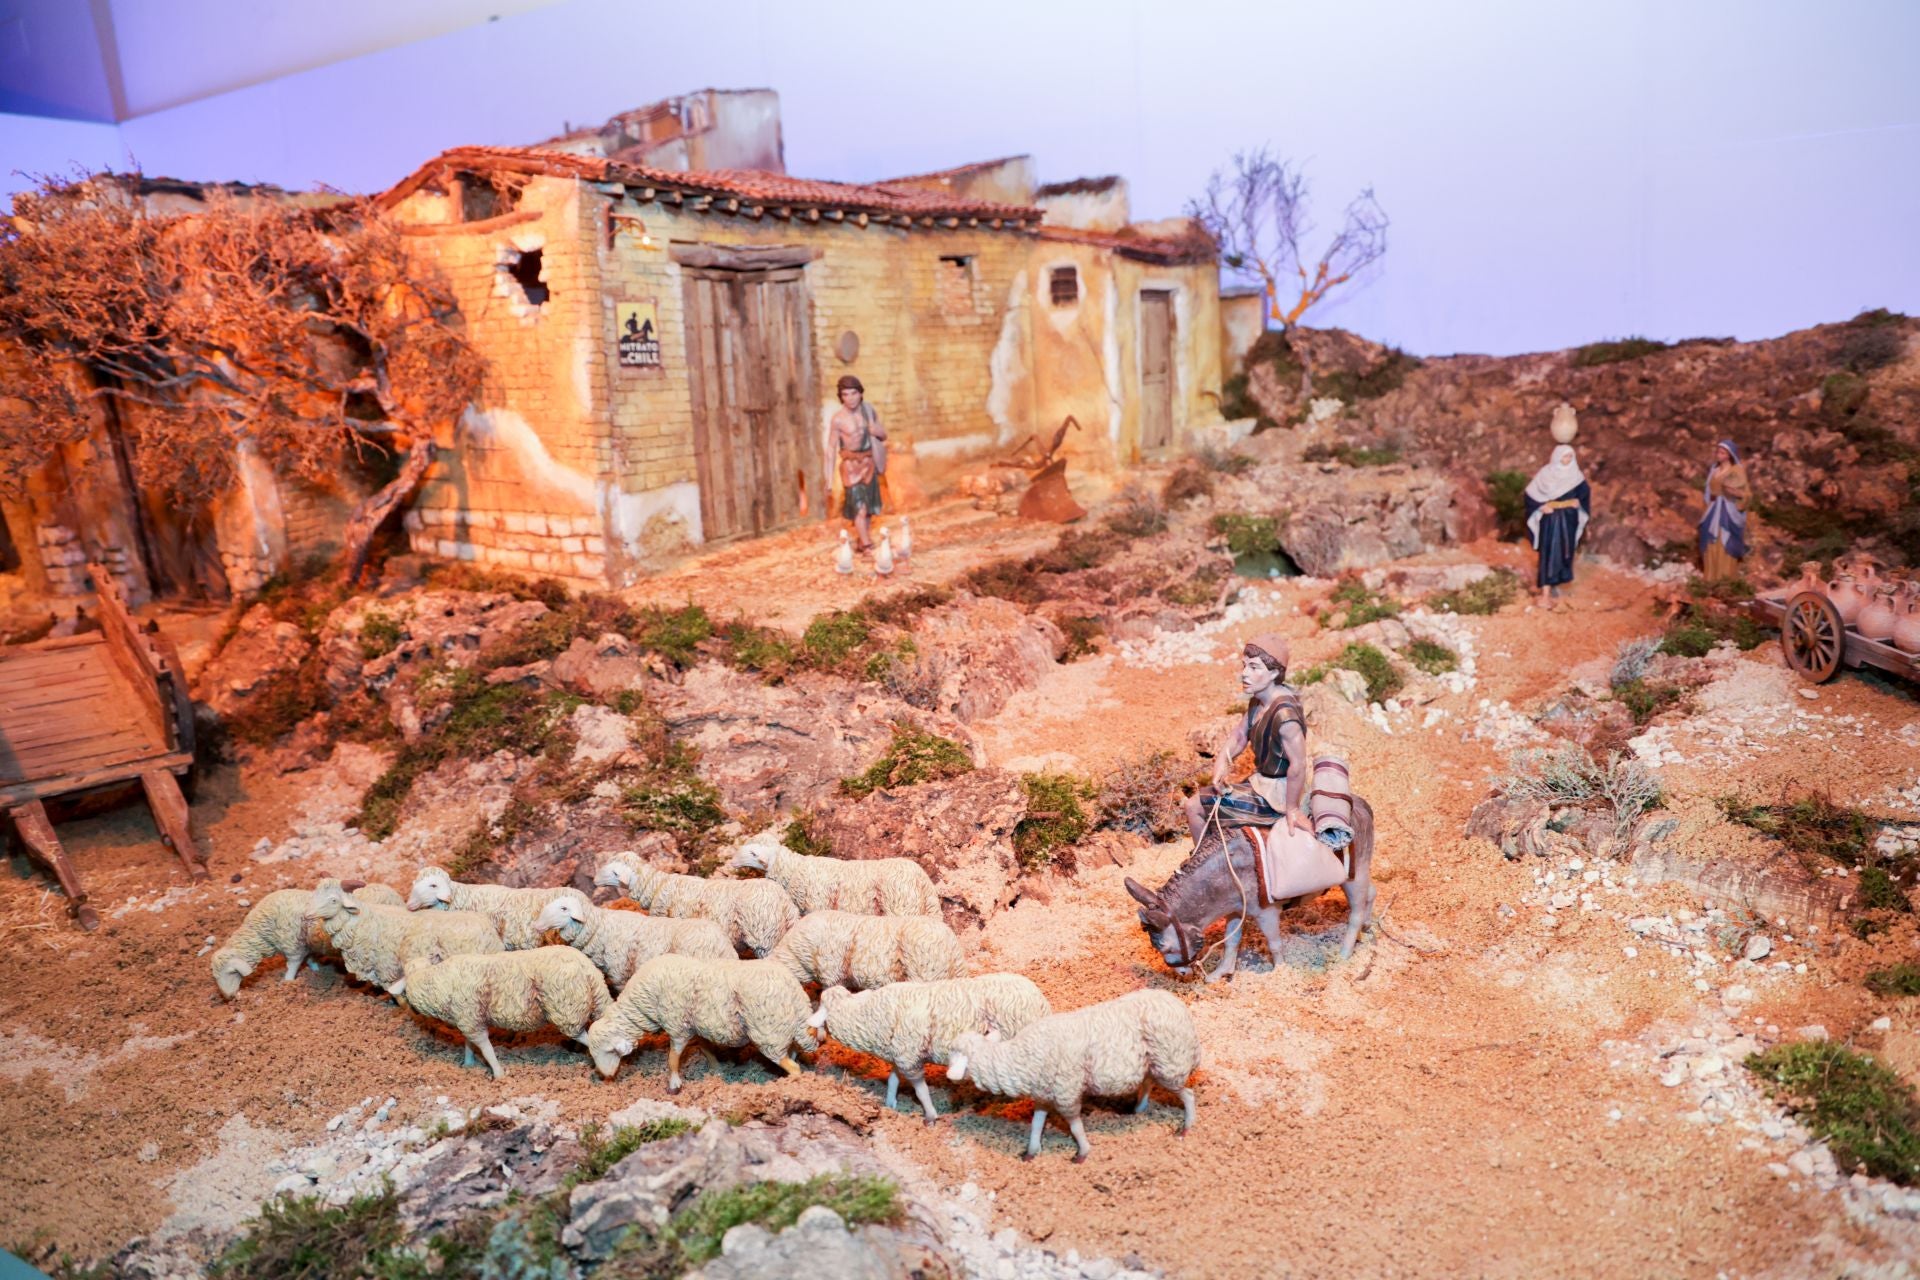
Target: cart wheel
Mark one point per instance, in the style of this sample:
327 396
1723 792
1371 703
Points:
1813 637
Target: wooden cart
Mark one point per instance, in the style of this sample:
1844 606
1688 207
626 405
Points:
88 712
1816 643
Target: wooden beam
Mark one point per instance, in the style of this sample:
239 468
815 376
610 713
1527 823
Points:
783 211
171 815
43 846
995 224
674 197
972 222
19 793
859 219
732 205
813 215
754 210
646 195
836 215
481 227
949 223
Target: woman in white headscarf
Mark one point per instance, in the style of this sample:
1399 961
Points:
1559 504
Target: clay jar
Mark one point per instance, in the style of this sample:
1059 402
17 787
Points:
1846 597
1876 617
1906 623
1809 580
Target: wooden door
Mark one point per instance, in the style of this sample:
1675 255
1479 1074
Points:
750 373
1156 369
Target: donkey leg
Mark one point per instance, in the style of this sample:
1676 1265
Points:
1231 958
1269 921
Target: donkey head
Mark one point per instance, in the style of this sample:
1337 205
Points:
1177 943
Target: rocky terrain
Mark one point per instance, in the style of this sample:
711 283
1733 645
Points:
1607 885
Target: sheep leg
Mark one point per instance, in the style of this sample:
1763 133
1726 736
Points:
919 1082
1033 1136
295 958
1186 1108
466 1052
1146 1100
789 1066
893 1089
486 1051
675 1047
1079 1132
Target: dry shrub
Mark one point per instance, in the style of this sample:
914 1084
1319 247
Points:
1145 794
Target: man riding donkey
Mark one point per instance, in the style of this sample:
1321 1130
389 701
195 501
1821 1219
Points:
1270 852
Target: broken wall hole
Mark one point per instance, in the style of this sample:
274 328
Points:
525 270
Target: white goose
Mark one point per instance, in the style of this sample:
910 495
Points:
883 555
905 549
843 558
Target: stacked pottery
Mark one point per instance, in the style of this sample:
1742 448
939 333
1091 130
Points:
1846 597
1809 580
1876 617
1906 626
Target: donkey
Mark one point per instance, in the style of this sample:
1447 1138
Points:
1204 890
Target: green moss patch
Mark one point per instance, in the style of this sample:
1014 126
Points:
1482 597
1246 535
1902 979
697 1232
1506 491
913 756
1353 604
1616 351
1866 1113
1055 821
1382 677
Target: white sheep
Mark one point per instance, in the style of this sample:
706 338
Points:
755 913
277 925
909 1024
513 910
839 948
1109 1049
375 942
874 886
723 1002
511 991
621 941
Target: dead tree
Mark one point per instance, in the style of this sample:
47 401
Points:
301 332
1258 216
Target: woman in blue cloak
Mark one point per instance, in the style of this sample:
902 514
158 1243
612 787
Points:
1723 526
1559 504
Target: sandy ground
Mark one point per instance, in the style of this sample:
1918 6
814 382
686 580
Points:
1453 1101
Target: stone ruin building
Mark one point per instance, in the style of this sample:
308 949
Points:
664 312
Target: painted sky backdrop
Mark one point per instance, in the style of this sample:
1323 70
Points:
1556 173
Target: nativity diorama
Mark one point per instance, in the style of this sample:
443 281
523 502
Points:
608 710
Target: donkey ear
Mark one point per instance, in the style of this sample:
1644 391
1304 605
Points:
1141 894
1156 918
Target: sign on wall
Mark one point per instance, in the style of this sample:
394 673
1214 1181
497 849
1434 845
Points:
639 334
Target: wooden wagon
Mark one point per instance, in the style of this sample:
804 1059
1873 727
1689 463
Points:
84 713
1817 642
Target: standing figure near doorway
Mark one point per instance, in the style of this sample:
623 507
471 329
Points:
856 429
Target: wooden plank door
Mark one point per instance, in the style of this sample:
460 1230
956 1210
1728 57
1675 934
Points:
1156 369
750 380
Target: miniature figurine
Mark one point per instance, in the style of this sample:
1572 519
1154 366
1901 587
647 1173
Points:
1275 725
843 555
883 558
858 434
1723 526
1559 504
903 546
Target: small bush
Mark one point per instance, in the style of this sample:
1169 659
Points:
803 835
1137 513
914 756
1481 597
1599 353
831 638
1083 635
1876 317
1506 491
1569 776
1645 699
1350 455
900 610
1688 640
1866 1113
1189 481
676 801
1389 375
1382 677
1879 891
1873 347
1214 458
1630 663
778 1205
1842 395
1247 535
380 634
305 1238
1432 657
1355 605
1812 827
675 634
762 650
602 1153
1144 794
1055 820
1902 979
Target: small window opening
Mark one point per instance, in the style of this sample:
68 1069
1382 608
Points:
1065 286
954 288
526 270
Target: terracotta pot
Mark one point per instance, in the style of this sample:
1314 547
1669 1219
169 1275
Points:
1906 624
1876 617
1846 597
1809 580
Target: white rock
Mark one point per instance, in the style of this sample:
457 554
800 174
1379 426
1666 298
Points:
1880 1024
1708 1065
1759 947
744 1236
1100 1269
1812 1032
1737 995
1779 1170
1801 1162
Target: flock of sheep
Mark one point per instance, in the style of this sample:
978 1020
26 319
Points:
893 976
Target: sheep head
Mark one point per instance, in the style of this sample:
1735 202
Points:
432 888
331 899
614 874
607 1046
967 1046
565 913
228 971
830 999
754 856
